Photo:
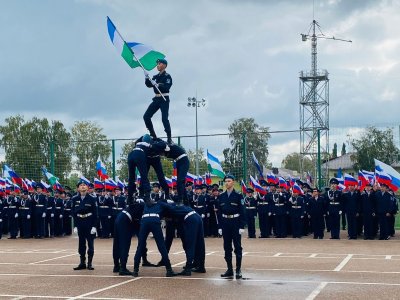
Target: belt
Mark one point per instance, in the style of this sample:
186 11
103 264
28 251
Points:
180 156
12 206
39 205
262 203
189 214
103 206
250 208
159 95
84 215
150 215
334 203
24 208
58 207
68 209
128 214
231 216
198 206
296 206
49 208
279 204
138 149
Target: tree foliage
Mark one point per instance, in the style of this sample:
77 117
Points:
334 151
89 143
374 143
246 132
28 146
292 162
343 152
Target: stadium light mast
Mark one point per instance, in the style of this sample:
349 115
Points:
193 102
314 106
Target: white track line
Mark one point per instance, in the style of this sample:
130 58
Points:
313 255
212 252
66 297
104 289
277 255
179 264
388 257
343 263
179 252
54 258
317 290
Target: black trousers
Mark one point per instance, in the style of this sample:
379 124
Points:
137 158
158 103
182 167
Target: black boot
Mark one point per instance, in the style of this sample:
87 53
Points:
238 268
135 272
229 271
82 264
187 270
89 263
169 140
123 271
146 263
116 266
199 269
160 263
170 272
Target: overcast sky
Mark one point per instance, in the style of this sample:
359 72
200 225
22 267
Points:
244 57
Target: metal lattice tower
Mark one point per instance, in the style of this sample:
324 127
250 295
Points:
314 105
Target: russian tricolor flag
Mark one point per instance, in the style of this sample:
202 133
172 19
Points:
258 167
297 189
2 182
101 169
244 187
169 182
208 178
282 182
362 180
9 172
109 184
395 176
190 177
271 178
257 187
98 184
349 180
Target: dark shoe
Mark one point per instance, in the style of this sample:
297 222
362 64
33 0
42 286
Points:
228 273
146 263
80 267
199 270
125 272
238 274
89 265
135 273
160 264
116 268
169 140
170 273
185 272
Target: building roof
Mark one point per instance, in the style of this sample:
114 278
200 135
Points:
343 162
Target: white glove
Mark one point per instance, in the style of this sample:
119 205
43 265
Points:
220 231
16 215
109 217
280 194
28 217
44 215
340 212
76 230
269 214
241 231
52 215
61 216
170 201
93 230
167 148
208 215
153 83
138 200
1 220
146 75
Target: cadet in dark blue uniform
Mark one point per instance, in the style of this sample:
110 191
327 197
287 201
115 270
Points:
307 196
137 158
84 211
126 226
333 199
164 82
13 209
317 212
25 213
368 199
352 207
2 200
151 222
264 212
213 201
67 219
297 213
232 218
105 209
39 211
280 200
199 202
251 213
59 214
50 210
383 209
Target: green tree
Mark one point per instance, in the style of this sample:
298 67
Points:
28 146
202 162
374 143
89 143
256 140
292 162
343 152
334 151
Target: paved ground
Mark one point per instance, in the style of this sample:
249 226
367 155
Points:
273 269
